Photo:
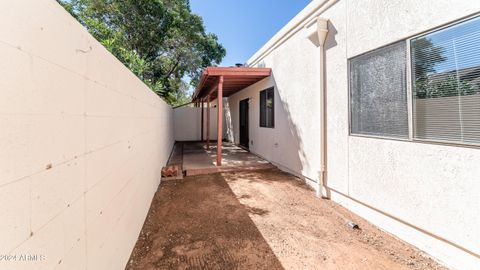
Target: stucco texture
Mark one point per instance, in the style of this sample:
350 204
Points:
294 142
83 141
425 193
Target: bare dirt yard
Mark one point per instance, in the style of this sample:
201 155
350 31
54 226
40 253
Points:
260 220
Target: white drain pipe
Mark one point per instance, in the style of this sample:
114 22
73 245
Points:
318 35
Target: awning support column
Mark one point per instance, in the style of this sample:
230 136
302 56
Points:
219 120
208 122
201 128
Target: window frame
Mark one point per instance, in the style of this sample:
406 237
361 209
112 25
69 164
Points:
409 91
410 86
407 86
272 89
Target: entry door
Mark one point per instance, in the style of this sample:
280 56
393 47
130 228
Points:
244 139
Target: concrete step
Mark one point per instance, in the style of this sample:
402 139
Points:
201 171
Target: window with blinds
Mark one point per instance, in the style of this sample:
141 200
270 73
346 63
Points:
267 108
446 83
378 95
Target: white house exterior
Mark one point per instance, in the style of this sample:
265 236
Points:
423 191
84 140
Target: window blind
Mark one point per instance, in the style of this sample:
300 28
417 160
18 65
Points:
446 83
378 96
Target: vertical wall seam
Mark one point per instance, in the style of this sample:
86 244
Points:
30 58
348 98
85 161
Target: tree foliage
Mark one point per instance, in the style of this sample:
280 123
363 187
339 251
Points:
426 55
428 82
446 86
161 41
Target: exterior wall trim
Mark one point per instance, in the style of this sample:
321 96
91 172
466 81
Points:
300 21
410 225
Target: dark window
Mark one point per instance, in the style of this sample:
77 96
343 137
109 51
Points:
267 118
446 83
378 93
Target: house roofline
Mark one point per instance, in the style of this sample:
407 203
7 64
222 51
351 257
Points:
301 20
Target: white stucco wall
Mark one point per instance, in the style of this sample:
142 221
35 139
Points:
82 143
188 123
294 142
426 194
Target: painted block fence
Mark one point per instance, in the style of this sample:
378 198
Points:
82 142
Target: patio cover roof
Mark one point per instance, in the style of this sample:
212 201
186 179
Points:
234 80
219 82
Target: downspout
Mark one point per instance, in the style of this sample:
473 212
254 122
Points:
322 191
318 37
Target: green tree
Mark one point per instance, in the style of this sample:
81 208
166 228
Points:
425 55
428 83
183 95
161 41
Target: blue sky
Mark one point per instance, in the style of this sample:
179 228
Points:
244 26
464 36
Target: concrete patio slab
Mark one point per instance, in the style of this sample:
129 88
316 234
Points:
198 160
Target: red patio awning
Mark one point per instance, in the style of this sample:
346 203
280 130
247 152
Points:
234 80
219 82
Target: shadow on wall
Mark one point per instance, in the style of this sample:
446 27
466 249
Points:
282 145
330 41
228 130
286 146
295 161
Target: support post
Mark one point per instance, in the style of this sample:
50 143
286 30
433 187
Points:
201 128
219 120
208 122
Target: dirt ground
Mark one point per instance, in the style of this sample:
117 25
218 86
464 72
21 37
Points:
260 220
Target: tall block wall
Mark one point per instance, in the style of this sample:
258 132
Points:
82 144
188 123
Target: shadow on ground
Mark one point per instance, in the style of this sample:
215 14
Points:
261 220
198 223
